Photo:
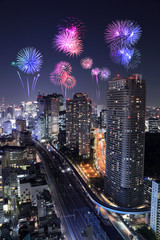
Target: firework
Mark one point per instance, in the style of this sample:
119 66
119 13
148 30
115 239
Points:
126 33
86 63
121 55
20 79
129 58
68 44
134 61
95 72
73 26
62 67
55 78
29 60
105 74
68 81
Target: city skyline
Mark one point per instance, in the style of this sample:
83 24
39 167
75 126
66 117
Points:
35 25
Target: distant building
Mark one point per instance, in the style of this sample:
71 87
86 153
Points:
7 128
78 112
153 124
125 136
1 195
155 208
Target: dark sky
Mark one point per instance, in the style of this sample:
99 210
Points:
34 24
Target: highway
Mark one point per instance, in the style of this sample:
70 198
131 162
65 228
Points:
73 206
94 198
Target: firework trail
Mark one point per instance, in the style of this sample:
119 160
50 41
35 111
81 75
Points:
20 79
95 72
28 87
34 82
86 63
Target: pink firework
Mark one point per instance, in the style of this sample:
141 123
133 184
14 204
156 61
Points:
68 81
86 63
105 74
62 67
55 78
69 43
73 25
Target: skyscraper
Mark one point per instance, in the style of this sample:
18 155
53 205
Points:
155 208
48 115
125 140
78 111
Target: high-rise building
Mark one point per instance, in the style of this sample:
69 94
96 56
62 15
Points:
125 140
155 208
48 114
103 119
78 111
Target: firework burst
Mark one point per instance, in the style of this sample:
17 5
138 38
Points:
134 61
29 60
73 26
68 44
68 81
125 33
86 63
62 67
55 78
129 58
105 74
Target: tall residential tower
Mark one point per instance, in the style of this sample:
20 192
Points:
125 140
78 111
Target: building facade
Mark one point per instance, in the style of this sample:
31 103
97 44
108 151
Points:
155 208
125 140
78 111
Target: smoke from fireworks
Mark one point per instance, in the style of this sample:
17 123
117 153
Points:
105 74
86 62
69 37
125 33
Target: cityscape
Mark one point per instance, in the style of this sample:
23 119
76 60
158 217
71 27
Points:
79 121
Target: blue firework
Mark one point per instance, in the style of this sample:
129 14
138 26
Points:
124 33
29 60
129 58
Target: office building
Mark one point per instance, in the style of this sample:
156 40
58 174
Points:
155 208
48 115
125 140
78 111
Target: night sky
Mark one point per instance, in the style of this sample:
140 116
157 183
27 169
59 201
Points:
34 24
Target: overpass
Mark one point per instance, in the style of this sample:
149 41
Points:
92 196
